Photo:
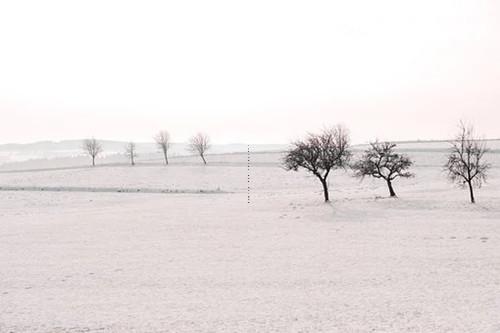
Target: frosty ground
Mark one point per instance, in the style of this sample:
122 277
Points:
78 256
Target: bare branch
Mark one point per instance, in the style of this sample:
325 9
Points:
320 154
381 161
130 151
92 148
162 139
465 164
200 144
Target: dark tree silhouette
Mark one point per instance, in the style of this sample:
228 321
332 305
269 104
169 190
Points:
92 148
130 151
199 144
320 154
162 140
465 164
381 161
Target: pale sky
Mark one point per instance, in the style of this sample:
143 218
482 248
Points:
247 71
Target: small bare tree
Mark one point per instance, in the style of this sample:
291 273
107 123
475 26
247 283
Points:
381 161
131 152
199 144
92 147
320 154
162 140
465 164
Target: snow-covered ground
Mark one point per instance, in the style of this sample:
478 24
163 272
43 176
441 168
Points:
76 255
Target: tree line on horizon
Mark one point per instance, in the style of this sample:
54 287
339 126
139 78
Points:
321 153
198 144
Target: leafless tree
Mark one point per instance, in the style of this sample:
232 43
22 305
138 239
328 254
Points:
131 152
466 165
381 161
320 154
199 144
162 140
92 147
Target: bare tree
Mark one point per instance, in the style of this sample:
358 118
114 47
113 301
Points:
381 161
162 140
92 147
131 152
465 164
199 144
320 154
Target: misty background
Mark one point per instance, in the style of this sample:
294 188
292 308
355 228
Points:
257 72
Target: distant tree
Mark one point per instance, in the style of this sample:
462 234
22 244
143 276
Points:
92 147
131 152
465 164
199 144
162 140
381 161
320 154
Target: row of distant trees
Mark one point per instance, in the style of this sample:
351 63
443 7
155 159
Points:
198 144
322 153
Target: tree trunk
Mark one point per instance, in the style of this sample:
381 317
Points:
391 189
165 155
203 158
132 160
93 161
325 189
471 191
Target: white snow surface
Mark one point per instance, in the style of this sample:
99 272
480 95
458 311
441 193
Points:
76 259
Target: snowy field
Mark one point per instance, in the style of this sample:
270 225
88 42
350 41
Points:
186 253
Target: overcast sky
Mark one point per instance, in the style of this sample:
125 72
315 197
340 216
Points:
247 71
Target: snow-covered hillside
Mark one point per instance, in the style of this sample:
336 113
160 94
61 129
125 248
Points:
77 254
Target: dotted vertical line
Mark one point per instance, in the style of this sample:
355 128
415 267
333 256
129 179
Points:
248 175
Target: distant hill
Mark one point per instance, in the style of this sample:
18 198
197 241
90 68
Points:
15 152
